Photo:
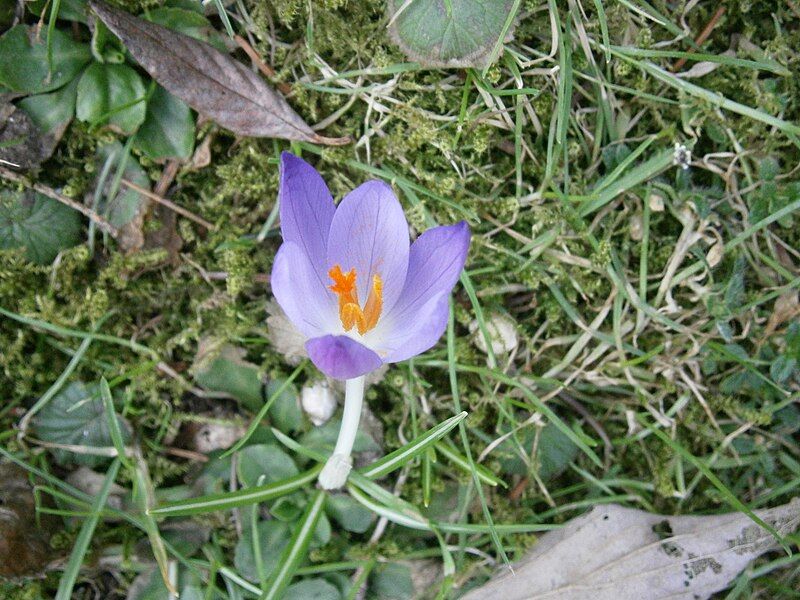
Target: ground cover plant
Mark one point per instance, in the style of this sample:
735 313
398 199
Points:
625 329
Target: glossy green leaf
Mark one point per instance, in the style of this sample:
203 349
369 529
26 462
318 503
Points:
168 128
27 73
113 95
41 225
76 416
450 33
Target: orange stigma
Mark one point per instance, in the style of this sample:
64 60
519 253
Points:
350 312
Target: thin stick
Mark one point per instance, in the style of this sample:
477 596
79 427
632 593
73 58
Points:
702 37
102 223
168 203
285 88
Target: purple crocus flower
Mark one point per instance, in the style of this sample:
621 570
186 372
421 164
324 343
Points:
349 280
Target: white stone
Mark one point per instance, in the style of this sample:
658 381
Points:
318 402
502 330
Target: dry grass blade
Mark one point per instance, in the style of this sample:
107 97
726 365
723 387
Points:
209 81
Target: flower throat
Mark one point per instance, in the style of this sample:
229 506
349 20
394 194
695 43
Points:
350 312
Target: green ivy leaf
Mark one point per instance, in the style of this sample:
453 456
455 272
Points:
449 33
76 416
188 22
41 225
27 73
52 112
111 94
168 128
68 10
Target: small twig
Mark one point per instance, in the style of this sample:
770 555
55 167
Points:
188 454
701 38
285 88
168 203
102 223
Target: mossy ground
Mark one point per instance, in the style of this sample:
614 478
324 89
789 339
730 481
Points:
646 312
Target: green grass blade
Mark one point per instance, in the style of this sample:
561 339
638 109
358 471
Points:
84 538
729 496
458 459
712 97
398 458
251 429
462 430
296 550
243 497
113 422
652 167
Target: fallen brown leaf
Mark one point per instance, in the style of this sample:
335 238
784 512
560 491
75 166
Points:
208 80
617 553
24 545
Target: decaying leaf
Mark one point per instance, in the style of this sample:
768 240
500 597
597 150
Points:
619 553
208 80
449 33
22 144
24 545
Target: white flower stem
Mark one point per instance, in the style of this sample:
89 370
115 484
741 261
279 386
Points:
334 474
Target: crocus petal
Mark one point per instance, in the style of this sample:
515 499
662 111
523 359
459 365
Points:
370 234
419 333
308 304
307 211
434 265
341 357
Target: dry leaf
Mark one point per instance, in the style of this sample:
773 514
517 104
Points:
209 81
619 553
22 144
24 545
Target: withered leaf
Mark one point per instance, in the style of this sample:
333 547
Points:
618 553
208 80
24 544
22 144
